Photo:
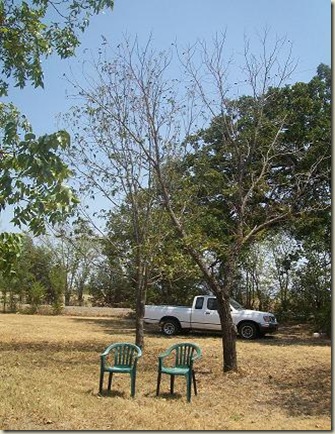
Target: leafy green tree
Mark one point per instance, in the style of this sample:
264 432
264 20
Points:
75 249
57 276
172 277
33 265
310 130
32 174
311 291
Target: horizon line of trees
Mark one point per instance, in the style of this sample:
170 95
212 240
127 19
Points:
76 268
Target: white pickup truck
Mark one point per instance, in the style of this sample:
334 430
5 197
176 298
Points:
203 315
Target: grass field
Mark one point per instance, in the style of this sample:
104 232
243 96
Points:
49 369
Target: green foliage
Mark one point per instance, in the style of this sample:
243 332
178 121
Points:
34 264
57 277
32 174
265 163
36 294
10 248
31 31
110 286
323 319
312 291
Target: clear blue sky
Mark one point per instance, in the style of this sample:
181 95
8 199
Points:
307 23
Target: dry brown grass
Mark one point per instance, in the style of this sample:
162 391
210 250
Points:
50 371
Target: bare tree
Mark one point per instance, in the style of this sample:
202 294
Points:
110 159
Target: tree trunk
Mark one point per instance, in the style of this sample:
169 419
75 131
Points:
67 297
222 294
141 289
80 293
228 334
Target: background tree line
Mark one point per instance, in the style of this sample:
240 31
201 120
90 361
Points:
277 274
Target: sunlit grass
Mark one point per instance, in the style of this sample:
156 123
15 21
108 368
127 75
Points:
50 373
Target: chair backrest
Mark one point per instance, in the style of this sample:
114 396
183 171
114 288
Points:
185 353
121 354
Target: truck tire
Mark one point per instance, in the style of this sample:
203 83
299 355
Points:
170 327
247 330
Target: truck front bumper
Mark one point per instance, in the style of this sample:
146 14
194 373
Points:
268 327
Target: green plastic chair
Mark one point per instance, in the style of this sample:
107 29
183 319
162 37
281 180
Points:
181 358
119 358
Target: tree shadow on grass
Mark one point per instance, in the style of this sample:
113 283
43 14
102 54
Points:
305 391
51 348
112 326
288 335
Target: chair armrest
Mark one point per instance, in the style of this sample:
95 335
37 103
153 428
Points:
107 350
139 354
166 353
162 356
197 356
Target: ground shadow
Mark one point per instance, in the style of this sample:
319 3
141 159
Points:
54 350
112 394
111 326
169 396
284 338
305 391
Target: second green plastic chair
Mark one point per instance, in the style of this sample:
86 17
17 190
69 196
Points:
181 357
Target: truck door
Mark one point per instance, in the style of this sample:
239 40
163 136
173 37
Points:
205 315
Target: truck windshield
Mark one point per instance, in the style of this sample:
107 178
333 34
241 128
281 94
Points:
235 304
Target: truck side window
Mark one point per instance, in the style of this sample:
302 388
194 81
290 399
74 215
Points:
199 303
212 304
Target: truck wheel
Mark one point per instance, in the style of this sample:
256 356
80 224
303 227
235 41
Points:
247 330
170 327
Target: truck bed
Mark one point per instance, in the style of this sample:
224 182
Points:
153 314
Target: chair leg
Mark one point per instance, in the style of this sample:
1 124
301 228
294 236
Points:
158 382
101 382
132 384
172 384
194 383
110 378
189 386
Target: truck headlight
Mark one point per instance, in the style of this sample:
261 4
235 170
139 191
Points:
266 318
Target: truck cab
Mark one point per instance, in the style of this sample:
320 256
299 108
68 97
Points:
249 323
